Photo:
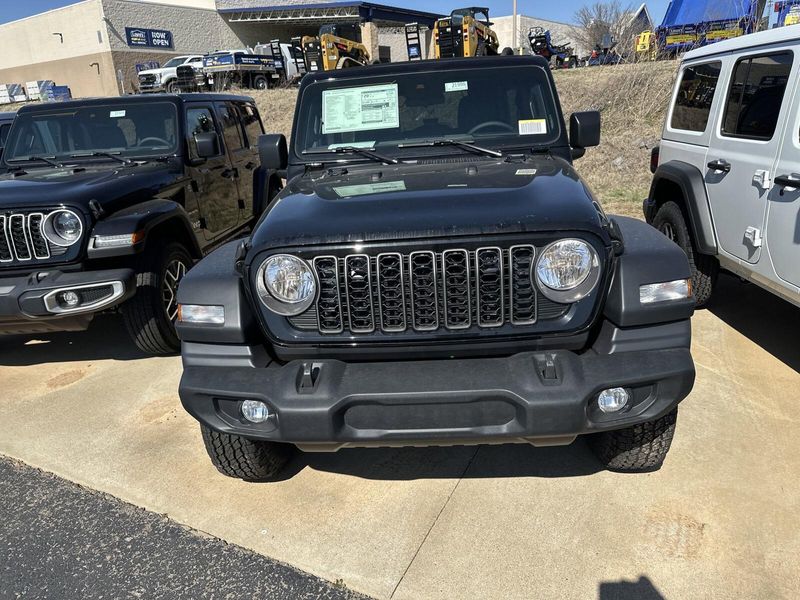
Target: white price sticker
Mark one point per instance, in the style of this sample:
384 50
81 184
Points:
532 127
360 109
456 86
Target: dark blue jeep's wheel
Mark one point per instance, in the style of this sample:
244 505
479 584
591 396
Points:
243 458
634 449
150 315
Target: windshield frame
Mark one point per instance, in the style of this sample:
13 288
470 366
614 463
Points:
181 60
84 155
299 155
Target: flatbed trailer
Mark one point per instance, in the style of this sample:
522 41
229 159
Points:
253 71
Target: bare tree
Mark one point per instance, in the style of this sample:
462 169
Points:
602 23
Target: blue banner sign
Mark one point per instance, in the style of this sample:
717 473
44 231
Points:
148 38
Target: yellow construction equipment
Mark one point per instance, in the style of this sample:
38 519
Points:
338 46
466 32
647 46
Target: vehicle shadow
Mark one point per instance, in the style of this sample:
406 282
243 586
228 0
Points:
469 462
643 589
106 338
769 321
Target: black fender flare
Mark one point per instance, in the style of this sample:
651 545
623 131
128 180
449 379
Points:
695 202
143 217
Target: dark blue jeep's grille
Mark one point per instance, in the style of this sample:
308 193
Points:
22 241
419 291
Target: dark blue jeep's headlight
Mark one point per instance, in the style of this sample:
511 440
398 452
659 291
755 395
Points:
63 227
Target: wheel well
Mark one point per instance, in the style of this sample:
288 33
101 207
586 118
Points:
666 191
173 230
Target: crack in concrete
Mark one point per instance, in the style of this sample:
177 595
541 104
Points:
436 520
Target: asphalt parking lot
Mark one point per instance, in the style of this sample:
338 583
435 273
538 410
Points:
718 520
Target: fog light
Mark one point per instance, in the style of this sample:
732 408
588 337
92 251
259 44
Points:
612 399
69 299
255 411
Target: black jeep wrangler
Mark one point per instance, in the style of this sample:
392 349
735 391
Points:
108 202
435 272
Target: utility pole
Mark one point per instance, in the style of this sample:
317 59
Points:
515 34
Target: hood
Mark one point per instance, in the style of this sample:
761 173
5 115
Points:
159 71
112 186
376 202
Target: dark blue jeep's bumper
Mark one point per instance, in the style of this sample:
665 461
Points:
545 398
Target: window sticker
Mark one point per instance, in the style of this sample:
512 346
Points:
365 145
532 127
116 114
360 109
526 172
365 189
456 86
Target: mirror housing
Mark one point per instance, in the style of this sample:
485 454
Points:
584 131
207 144
273 151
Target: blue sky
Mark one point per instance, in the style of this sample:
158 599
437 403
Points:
557 11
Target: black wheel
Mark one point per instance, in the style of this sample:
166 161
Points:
172 87
260 82
670 221
639 448
150 315
242 458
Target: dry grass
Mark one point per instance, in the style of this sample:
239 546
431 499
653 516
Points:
632 100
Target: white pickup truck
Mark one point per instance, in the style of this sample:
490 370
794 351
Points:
165 79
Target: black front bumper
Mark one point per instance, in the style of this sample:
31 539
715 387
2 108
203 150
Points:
545 398
26 305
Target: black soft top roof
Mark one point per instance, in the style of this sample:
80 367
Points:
135 99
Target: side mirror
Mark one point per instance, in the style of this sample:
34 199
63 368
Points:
207 144
273 152
584 131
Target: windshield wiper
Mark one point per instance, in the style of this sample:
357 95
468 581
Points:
355 150
450 142
43 159
115 156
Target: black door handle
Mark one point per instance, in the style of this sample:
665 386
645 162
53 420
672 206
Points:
720 165
250 166
788 181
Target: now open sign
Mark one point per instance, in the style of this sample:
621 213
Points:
149 38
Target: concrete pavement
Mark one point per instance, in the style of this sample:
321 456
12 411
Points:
719 520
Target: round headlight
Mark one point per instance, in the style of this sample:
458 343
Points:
63 227
567 270
286 284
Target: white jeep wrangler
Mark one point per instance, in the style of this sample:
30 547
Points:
726 185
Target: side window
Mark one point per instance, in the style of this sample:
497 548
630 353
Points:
695 95
4 129
231 127
198 120
755 96
251 122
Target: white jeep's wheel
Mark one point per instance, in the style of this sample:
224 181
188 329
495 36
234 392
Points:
670 221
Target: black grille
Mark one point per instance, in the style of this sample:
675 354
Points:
147 79
425 291
22 239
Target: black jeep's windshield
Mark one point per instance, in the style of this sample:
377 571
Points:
509 106
135 130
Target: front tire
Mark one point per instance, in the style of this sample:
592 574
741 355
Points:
635 449
172 87
150 315
260 82
670 221
243 458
